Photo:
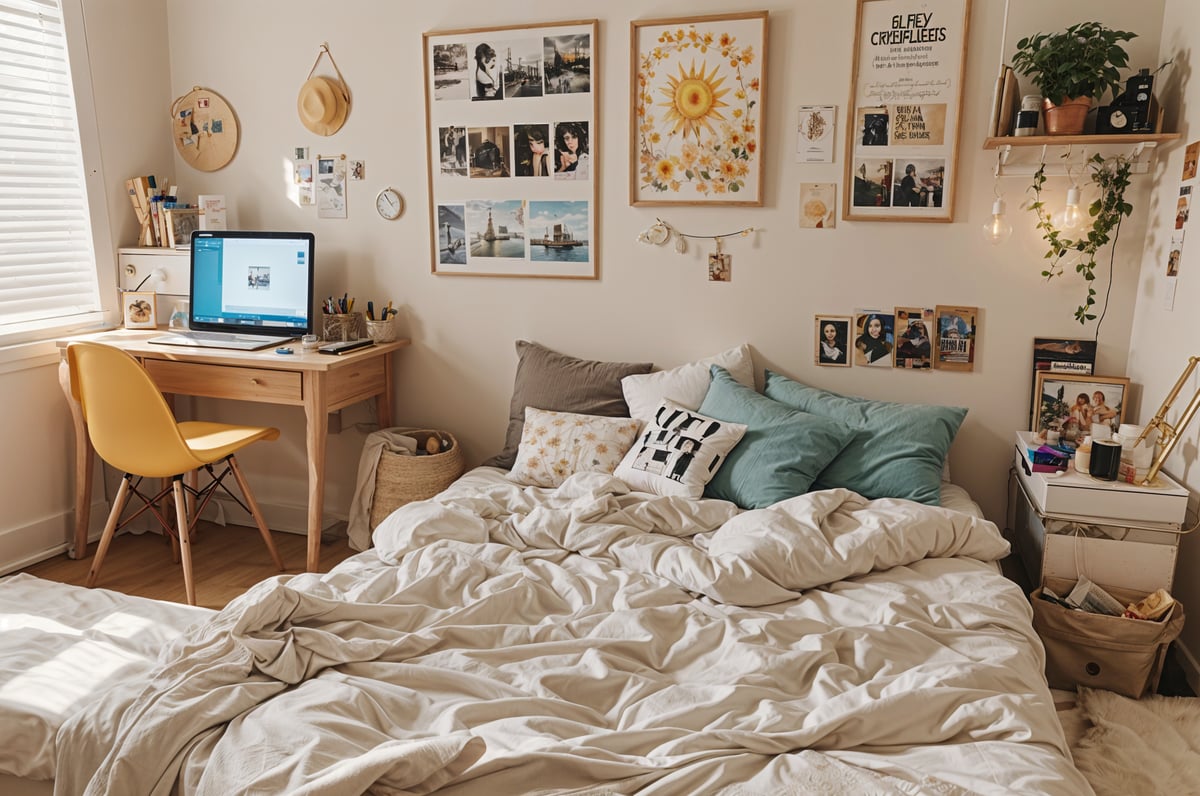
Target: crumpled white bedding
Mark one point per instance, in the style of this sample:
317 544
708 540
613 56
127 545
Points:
520 640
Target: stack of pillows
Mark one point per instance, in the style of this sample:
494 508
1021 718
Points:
701 429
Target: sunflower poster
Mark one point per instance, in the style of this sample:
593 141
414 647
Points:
905 98
698 113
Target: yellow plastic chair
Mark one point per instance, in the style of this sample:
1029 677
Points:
133 429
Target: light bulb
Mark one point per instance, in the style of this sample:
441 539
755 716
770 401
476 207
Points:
1071 218
997 229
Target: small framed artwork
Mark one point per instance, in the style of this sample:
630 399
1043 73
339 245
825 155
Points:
831 334
956 331
138 308
874 337
914 343
698 91
1072 404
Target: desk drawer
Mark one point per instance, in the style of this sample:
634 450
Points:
356 382
223 381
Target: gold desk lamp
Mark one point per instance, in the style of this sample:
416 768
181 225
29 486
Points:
1168 434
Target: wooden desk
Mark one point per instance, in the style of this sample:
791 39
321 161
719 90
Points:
318 382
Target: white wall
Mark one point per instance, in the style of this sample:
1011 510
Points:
1162 338
649 302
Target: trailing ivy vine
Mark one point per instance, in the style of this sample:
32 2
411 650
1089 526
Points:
1111 176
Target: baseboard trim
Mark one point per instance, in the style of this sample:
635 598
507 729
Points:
27 545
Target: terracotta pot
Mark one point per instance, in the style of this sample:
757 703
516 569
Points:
1067 117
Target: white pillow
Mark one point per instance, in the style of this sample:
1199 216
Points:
679 452
555 445
686 384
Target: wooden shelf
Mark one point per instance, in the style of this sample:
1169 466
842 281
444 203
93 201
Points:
996 142
1143 147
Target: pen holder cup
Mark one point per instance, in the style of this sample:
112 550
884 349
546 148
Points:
344 326
382 331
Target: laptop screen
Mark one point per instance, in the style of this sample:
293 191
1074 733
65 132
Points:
252 282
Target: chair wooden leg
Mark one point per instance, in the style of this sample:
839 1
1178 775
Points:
185 541
258 518
110 530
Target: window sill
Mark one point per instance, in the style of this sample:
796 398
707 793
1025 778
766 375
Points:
33 344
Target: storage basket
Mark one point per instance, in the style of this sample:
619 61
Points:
383 331
402 478
343 326
1098 651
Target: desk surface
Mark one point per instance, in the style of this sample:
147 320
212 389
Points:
320 383
137 342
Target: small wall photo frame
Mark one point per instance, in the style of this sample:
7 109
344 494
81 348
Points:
698 90
831 337
956 332
1071 404
137 307
906 92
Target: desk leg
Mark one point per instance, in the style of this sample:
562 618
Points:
84 458
316 413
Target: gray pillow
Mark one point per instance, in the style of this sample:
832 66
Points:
559 383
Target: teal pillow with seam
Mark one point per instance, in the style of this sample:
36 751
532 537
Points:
781 452
899 449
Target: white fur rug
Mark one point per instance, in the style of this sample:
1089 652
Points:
1145 747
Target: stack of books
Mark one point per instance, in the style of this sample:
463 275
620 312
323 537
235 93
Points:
165 222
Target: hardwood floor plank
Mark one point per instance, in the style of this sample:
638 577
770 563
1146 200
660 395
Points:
227 560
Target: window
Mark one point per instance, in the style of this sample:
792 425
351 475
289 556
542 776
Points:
48 272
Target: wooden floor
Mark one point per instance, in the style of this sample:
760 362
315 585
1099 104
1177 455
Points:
226 561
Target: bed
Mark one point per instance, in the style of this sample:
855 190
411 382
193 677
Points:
584 637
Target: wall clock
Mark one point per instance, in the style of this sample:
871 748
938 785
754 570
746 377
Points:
205 129
389 203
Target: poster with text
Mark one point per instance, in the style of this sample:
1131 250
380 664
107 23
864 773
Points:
905 100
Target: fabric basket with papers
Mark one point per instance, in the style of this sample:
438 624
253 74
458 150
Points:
1100 651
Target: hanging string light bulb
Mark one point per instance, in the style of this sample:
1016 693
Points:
997 230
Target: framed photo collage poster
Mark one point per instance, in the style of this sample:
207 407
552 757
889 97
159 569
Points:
512 138
905 101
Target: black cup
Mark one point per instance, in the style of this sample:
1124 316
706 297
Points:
1106 460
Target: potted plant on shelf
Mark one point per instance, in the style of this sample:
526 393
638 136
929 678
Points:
1071 69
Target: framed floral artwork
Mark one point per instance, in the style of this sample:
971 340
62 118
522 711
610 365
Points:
698 89
513 141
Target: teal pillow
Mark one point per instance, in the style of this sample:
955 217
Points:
899 449
781 452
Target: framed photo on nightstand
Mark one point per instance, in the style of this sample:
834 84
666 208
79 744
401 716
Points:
1071 404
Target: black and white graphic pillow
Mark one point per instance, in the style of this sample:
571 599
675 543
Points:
678 452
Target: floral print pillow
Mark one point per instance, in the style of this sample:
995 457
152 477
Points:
555 445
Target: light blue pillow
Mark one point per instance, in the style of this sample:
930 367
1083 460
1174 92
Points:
781 452
899 449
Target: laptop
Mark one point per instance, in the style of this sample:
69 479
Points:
248 290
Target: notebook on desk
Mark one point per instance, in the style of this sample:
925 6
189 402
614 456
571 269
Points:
248 290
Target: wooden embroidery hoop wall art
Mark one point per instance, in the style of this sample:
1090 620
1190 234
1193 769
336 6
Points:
205 129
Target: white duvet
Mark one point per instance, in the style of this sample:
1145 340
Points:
590 640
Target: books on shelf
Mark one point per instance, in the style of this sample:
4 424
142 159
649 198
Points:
1005 103
163 221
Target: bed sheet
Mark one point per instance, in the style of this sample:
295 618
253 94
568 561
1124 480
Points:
587 639
62 647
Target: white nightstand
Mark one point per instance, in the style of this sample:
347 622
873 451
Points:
1116 534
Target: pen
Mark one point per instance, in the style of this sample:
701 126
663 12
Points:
370 310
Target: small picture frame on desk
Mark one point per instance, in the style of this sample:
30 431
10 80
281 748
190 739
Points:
1071 404
138 309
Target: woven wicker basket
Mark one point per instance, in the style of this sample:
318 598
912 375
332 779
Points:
401 478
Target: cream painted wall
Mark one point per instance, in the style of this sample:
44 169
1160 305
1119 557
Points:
1163 338
649 303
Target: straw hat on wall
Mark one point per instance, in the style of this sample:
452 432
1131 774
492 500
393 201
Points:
323 104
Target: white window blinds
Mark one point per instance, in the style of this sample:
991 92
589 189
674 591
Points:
47 262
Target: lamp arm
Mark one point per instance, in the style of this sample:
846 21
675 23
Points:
1169 434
